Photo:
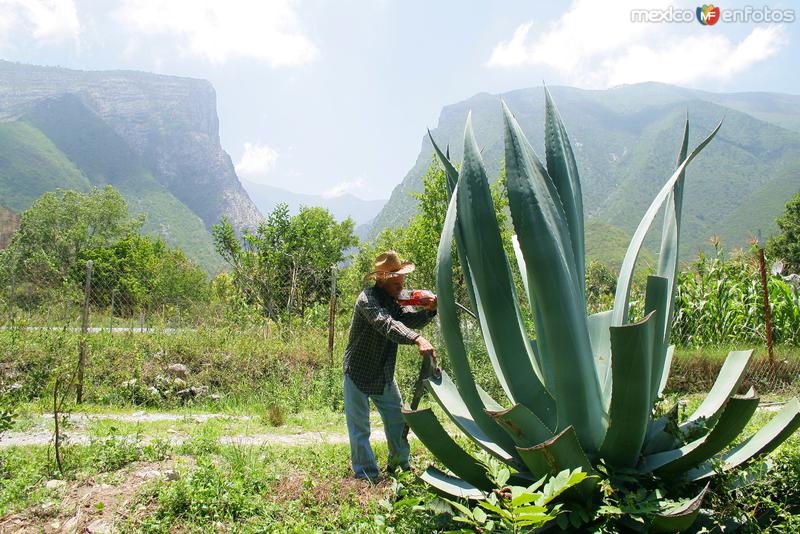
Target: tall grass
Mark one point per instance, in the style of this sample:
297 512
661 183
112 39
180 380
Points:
720 301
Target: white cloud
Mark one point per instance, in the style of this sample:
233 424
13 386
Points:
680 62
343 187
257 161
268 30
596 44
47 21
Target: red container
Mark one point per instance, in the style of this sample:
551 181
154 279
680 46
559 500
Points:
415 297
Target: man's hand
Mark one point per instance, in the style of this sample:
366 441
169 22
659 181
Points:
431 304
426 348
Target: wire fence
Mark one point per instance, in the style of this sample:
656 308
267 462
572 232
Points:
99 306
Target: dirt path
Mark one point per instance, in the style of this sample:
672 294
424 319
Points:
79 434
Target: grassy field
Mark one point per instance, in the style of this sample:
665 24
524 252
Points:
262 449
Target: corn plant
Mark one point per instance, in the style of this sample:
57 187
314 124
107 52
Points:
721 301
582 393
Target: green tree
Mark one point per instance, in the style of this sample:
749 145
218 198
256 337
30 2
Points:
59 227
786 245
286 263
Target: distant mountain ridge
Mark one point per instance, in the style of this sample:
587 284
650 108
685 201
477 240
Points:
626 142
154 137
266 197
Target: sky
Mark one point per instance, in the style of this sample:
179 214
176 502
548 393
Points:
334 96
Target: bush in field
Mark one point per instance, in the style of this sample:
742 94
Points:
720 300
285 264
141 271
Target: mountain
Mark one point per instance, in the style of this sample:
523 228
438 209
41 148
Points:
266 197
626 142
154 137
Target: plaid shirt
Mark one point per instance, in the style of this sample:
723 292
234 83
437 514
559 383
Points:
379 324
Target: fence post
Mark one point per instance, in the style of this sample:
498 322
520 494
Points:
767 318
331 331
12 297
87 288
111 319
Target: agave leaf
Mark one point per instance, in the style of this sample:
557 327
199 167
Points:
430 432
452 180
681 517
622 293
544 239
657 300
560 452
734 419
631 365
762 442
600 338
539 345
495 295
670 235
450 486
665 371
446 394
728 380
469 393
449 169
563 170
522 425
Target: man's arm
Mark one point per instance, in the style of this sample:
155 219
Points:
381 320
413 318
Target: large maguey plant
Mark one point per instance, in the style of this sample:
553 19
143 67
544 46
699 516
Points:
582 393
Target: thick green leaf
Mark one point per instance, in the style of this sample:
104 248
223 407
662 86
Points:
622 293
762 442
560 452
670 236
522 425
657 300
446 394
563 169
469 393
495 294
665 371
629 412
544 239
727 383
553 456
430 432
452 180
600 337
681 517
544 365
450 486
733 420
658 438
451 173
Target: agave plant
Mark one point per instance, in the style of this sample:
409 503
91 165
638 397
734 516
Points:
582 393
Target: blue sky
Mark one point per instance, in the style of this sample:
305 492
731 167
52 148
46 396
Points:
333 96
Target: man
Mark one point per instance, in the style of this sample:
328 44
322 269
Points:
379 325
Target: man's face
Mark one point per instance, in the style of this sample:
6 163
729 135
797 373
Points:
393 285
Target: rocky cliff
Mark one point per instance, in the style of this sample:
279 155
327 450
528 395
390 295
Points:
169 122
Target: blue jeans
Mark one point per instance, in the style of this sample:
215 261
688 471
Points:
356 411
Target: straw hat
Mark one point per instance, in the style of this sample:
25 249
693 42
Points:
389 263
